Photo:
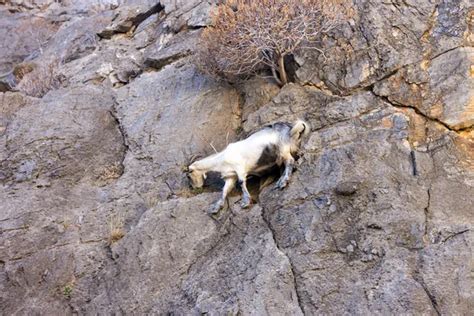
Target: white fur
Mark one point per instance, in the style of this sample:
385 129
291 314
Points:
239 159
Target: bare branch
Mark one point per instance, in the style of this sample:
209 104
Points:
248 36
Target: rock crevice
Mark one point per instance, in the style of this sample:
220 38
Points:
293 271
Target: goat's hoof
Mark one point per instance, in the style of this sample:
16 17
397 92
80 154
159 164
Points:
215 209
245 204
281 185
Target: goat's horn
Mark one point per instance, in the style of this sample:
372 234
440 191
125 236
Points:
194 158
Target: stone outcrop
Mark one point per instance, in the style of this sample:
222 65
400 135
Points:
102 109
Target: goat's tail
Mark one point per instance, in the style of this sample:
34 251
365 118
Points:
299 130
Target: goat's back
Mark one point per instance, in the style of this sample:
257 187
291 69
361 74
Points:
245 154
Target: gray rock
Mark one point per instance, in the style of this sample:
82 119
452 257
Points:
23 37
167 50
396 217
128 17
167 123
96 213
167 245
382 38
71 140
7 82
441 88
347 188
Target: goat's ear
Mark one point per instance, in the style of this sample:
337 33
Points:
204 176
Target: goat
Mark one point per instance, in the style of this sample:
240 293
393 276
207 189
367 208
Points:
274 145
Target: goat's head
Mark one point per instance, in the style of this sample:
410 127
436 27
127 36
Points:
299 130
196 176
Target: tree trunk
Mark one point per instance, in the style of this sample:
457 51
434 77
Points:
281 70
275 76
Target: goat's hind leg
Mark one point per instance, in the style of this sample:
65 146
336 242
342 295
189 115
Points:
246 198
228 186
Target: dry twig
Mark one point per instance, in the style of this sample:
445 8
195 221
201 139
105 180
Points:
248 36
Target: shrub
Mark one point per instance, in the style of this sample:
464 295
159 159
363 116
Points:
116 230
248 36
67 291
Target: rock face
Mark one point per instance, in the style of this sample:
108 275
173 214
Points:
102 109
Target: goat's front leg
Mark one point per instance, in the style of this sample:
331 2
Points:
228 186
285 177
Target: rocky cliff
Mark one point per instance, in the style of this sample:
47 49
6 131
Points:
102 108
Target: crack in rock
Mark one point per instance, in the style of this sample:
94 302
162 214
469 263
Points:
129 23
369 86
272 233
455 234
432 298
413 162
421 113
123 133
427 214
152 64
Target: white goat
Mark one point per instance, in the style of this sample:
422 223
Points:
274 145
